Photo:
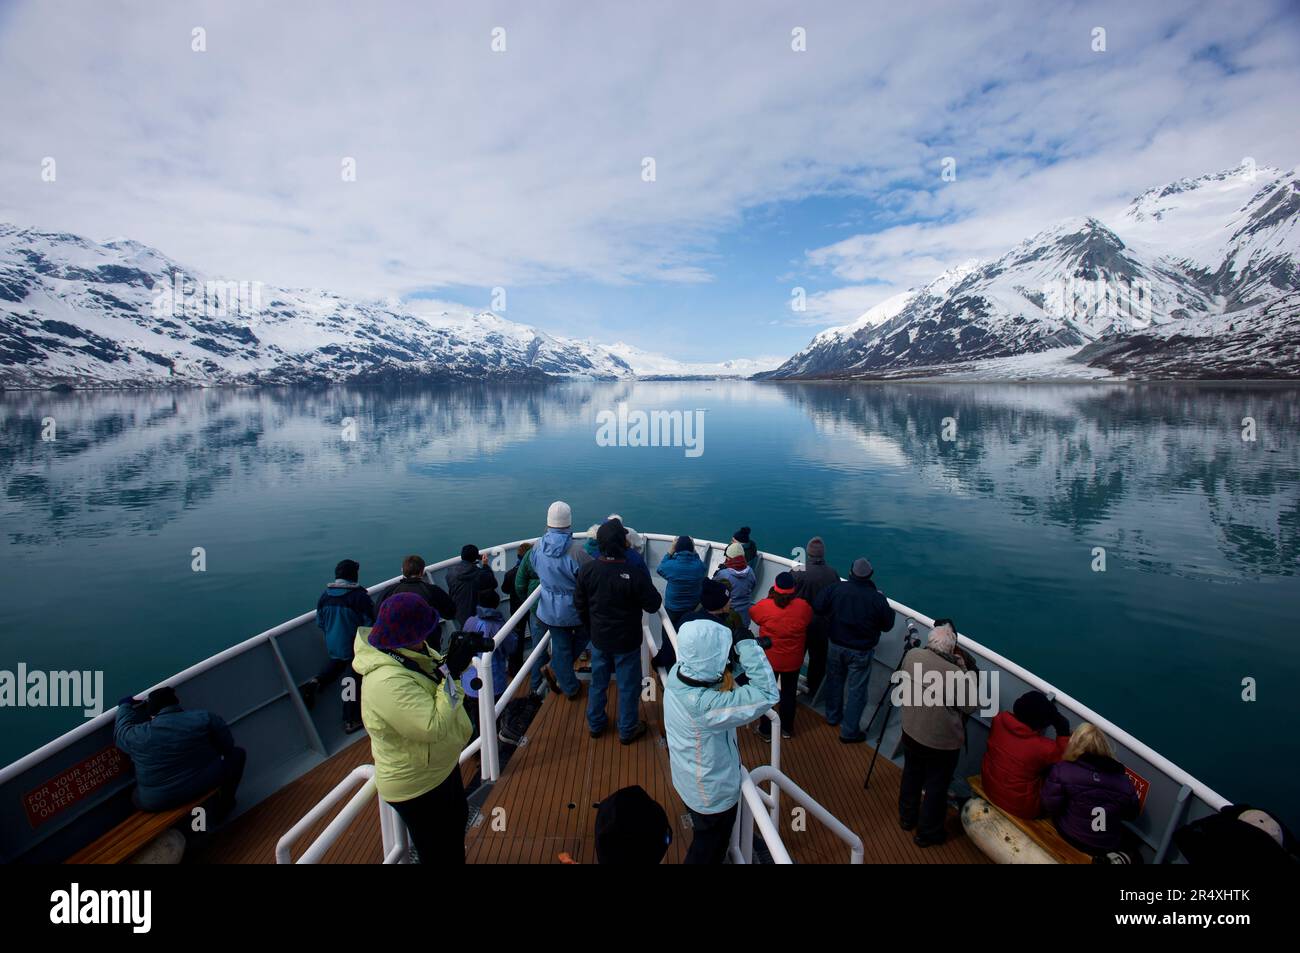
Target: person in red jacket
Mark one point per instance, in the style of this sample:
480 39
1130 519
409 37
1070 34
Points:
784 618
1019 755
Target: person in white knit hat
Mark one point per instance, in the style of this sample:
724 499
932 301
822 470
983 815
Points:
556 559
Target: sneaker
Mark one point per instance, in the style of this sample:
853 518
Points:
907 825
510 735
853 741
637 732
758 730
597 732
934 841
787 735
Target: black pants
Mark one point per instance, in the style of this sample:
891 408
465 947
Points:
786 706
436 821
330 672
923 794
817 649
712 836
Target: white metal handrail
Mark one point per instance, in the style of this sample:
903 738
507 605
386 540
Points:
284 847
805 800
753 810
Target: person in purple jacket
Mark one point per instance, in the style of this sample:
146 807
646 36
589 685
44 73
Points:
1089 796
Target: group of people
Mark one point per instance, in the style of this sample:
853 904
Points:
736 658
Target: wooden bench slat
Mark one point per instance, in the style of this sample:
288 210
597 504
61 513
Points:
126 839
1040 830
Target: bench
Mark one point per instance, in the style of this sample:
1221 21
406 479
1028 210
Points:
135 833
1040 830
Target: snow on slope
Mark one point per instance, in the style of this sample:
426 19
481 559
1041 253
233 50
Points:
1195 249
647 364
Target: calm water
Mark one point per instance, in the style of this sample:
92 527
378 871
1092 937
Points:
996 528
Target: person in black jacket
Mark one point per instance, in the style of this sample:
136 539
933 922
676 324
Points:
467 579
413 581
809 581
857 614
610 596
516 661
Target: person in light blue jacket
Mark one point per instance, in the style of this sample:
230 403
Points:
557 557
703 706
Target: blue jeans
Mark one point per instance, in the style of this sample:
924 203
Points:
627 672
567 643
848 671
535 632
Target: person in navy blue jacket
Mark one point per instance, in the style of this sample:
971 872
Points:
344 606
178 755
685 573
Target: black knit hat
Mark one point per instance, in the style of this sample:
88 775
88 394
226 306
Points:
631 828
714 595
161 698
469 553
612 538
1034 710
741 535
488 598
348 569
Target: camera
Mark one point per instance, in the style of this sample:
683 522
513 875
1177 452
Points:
471 642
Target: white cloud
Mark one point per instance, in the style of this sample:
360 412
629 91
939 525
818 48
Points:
523 168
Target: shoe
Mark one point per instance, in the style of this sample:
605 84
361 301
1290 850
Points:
637 732
597 732
352 727
308 690
852 741
920 841
786 735
548 673
507 736
907 825
576 696
758 730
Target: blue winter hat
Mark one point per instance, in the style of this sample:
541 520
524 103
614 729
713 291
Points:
405 620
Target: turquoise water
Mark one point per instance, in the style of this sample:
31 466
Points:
996 528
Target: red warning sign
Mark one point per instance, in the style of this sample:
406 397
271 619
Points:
75 784
1140 784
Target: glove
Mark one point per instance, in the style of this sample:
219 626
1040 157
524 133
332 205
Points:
126 700
459 656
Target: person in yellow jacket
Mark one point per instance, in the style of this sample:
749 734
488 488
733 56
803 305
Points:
413 710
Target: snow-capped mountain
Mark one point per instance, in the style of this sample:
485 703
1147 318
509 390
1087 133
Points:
647 364
1194 258
79 313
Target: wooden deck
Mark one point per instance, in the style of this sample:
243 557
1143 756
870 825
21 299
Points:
545 802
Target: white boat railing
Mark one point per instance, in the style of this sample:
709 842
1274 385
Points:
754 811
781 782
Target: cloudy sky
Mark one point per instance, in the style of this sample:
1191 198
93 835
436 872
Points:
523 168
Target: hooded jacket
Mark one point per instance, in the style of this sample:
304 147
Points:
465 581
556 559
1073 790
610 596
701 721
742 583
417 727
1015 763
176 754
488 622
787 628
857 611
342 607
685 573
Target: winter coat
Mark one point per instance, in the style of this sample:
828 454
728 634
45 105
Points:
610 596
1073 790
742 583
526 577
342 607
811 580
418 727
1015 763
557 557
751 553
942 725
176 754
465 581
685 574
787 628
858 613
509 584
436 596
488 622
701 721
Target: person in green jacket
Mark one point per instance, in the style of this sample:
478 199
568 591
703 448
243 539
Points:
414 712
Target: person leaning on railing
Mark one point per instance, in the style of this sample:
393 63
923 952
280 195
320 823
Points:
413 711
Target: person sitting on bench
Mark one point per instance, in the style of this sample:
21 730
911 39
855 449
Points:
178 755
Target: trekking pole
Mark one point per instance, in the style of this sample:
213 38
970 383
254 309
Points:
910 641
